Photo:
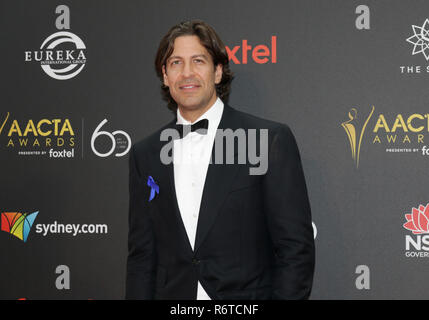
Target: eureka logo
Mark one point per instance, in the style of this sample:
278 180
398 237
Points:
17 223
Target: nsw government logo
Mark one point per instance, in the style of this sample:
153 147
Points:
417 245
62 55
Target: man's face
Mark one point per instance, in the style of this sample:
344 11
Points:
190 75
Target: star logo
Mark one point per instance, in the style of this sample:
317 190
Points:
420 39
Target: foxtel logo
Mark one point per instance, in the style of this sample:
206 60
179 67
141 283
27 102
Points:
260 54
18 224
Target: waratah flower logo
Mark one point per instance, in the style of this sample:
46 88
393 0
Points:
420 39
418 220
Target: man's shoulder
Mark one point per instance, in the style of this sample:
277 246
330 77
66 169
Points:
250 121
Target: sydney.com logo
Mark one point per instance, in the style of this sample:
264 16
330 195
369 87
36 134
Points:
18 224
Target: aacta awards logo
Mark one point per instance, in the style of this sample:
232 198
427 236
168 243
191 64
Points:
62 54
353 135
41 137
18 224
396 133
417 245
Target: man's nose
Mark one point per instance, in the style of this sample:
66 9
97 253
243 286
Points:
188 69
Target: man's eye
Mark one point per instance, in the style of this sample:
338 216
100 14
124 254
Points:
175 62
198 60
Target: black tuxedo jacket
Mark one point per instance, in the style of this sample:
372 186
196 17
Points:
254 236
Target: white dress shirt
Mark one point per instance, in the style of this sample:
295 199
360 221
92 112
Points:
191 156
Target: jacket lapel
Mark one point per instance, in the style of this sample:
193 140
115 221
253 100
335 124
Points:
169 205
219 178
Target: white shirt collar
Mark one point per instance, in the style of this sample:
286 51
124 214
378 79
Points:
213 114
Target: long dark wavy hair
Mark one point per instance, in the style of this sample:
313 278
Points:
210 40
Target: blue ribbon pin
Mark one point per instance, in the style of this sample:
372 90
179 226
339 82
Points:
153 187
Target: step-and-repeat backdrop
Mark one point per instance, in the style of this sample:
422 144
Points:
78 88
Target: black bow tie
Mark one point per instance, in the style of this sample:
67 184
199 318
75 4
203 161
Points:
199 127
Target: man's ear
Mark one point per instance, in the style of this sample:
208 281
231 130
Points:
218 73
164 74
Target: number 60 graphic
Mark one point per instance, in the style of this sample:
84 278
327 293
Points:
98 133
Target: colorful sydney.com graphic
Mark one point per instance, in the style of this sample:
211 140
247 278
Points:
418 220
17 223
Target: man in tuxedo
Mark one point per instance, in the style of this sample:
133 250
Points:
200 229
